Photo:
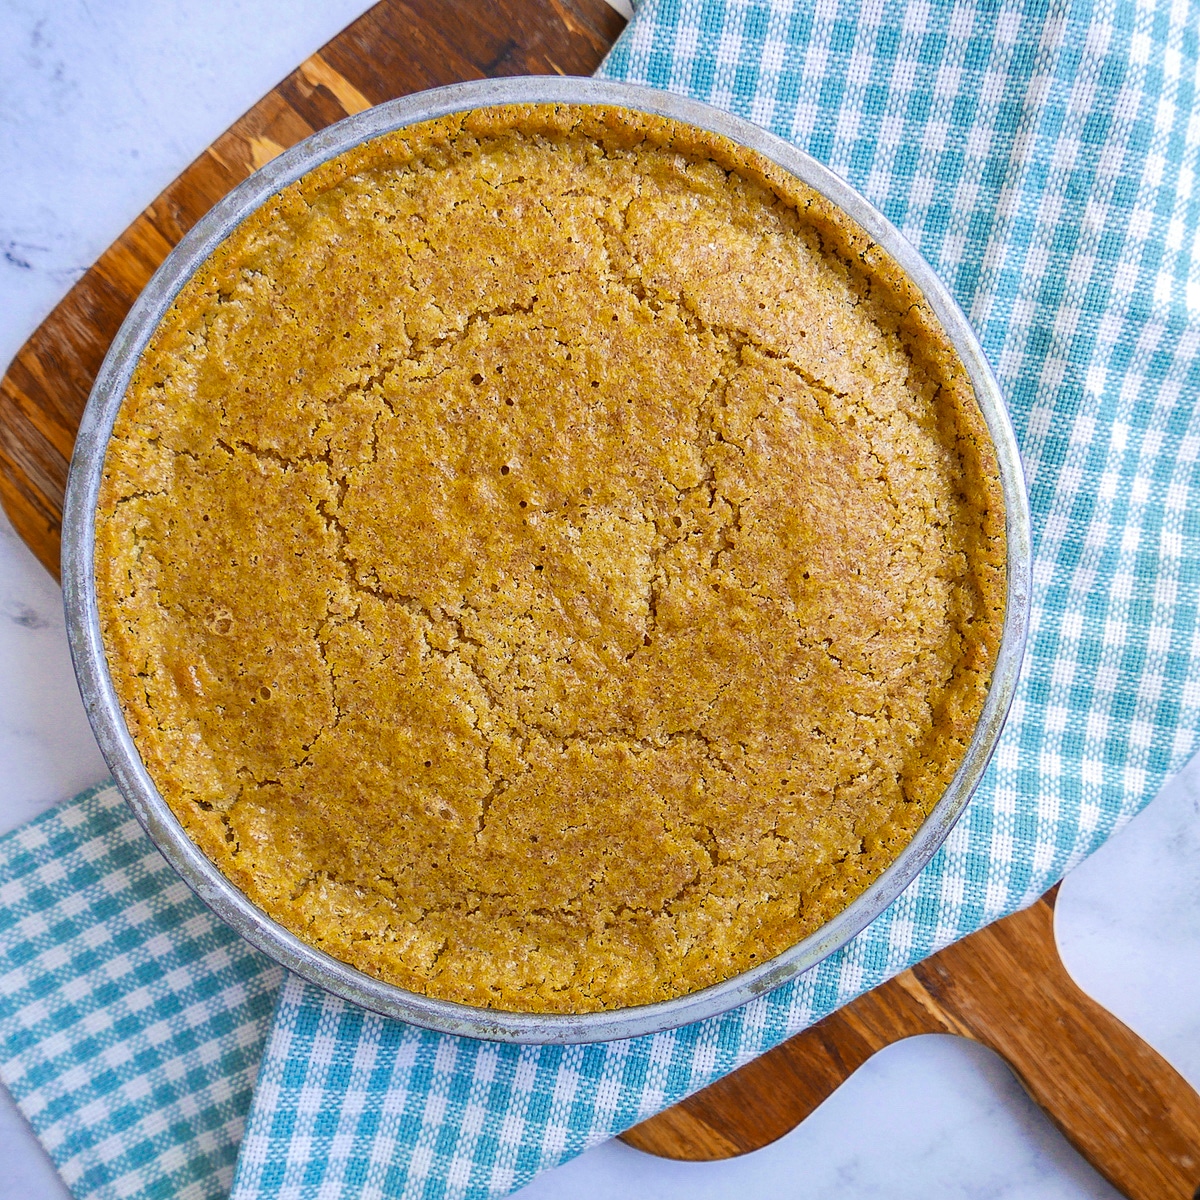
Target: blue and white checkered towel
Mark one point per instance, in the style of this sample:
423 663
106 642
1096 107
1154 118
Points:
1043 156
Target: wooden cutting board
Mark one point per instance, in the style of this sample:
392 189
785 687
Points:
1131 1115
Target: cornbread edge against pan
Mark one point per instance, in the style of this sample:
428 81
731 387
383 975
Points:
586 700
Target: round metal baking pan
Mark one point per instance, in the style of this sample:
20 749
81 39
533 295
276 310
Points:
104 710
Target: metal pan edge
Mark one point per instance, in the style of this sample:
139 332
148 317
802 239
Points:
152 811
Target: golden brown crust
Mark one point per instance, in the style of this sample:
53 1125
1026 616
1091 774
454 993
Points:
549 559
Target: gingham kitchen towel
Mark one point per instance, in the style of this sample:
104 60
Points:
1043 156
132 1021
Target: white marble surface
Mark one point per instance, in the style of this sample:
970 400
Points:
101 105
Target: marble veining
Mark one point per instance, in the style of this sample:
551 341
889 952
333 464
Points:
100 107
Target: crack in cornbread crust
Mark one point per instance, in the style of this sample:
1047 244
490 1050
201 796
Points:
549 559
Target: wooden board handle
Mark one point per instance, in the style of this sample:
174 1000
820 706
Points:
1126 1110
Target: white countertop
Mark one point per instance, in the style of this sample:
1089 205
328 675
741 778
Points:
100 107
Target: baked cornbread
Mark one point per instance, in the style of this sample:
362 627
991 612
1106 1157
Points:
550 559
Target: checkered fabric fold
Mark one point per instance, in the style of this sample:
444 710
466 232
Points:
1042 154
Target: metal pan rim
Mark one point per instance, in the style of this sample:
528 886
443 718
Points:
151 809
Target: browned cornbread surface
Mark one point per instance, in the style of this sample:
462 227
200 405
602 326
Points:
548 561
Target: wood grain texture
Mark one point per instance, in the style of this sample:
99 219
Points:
1126 1109
395 48
1130 1113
